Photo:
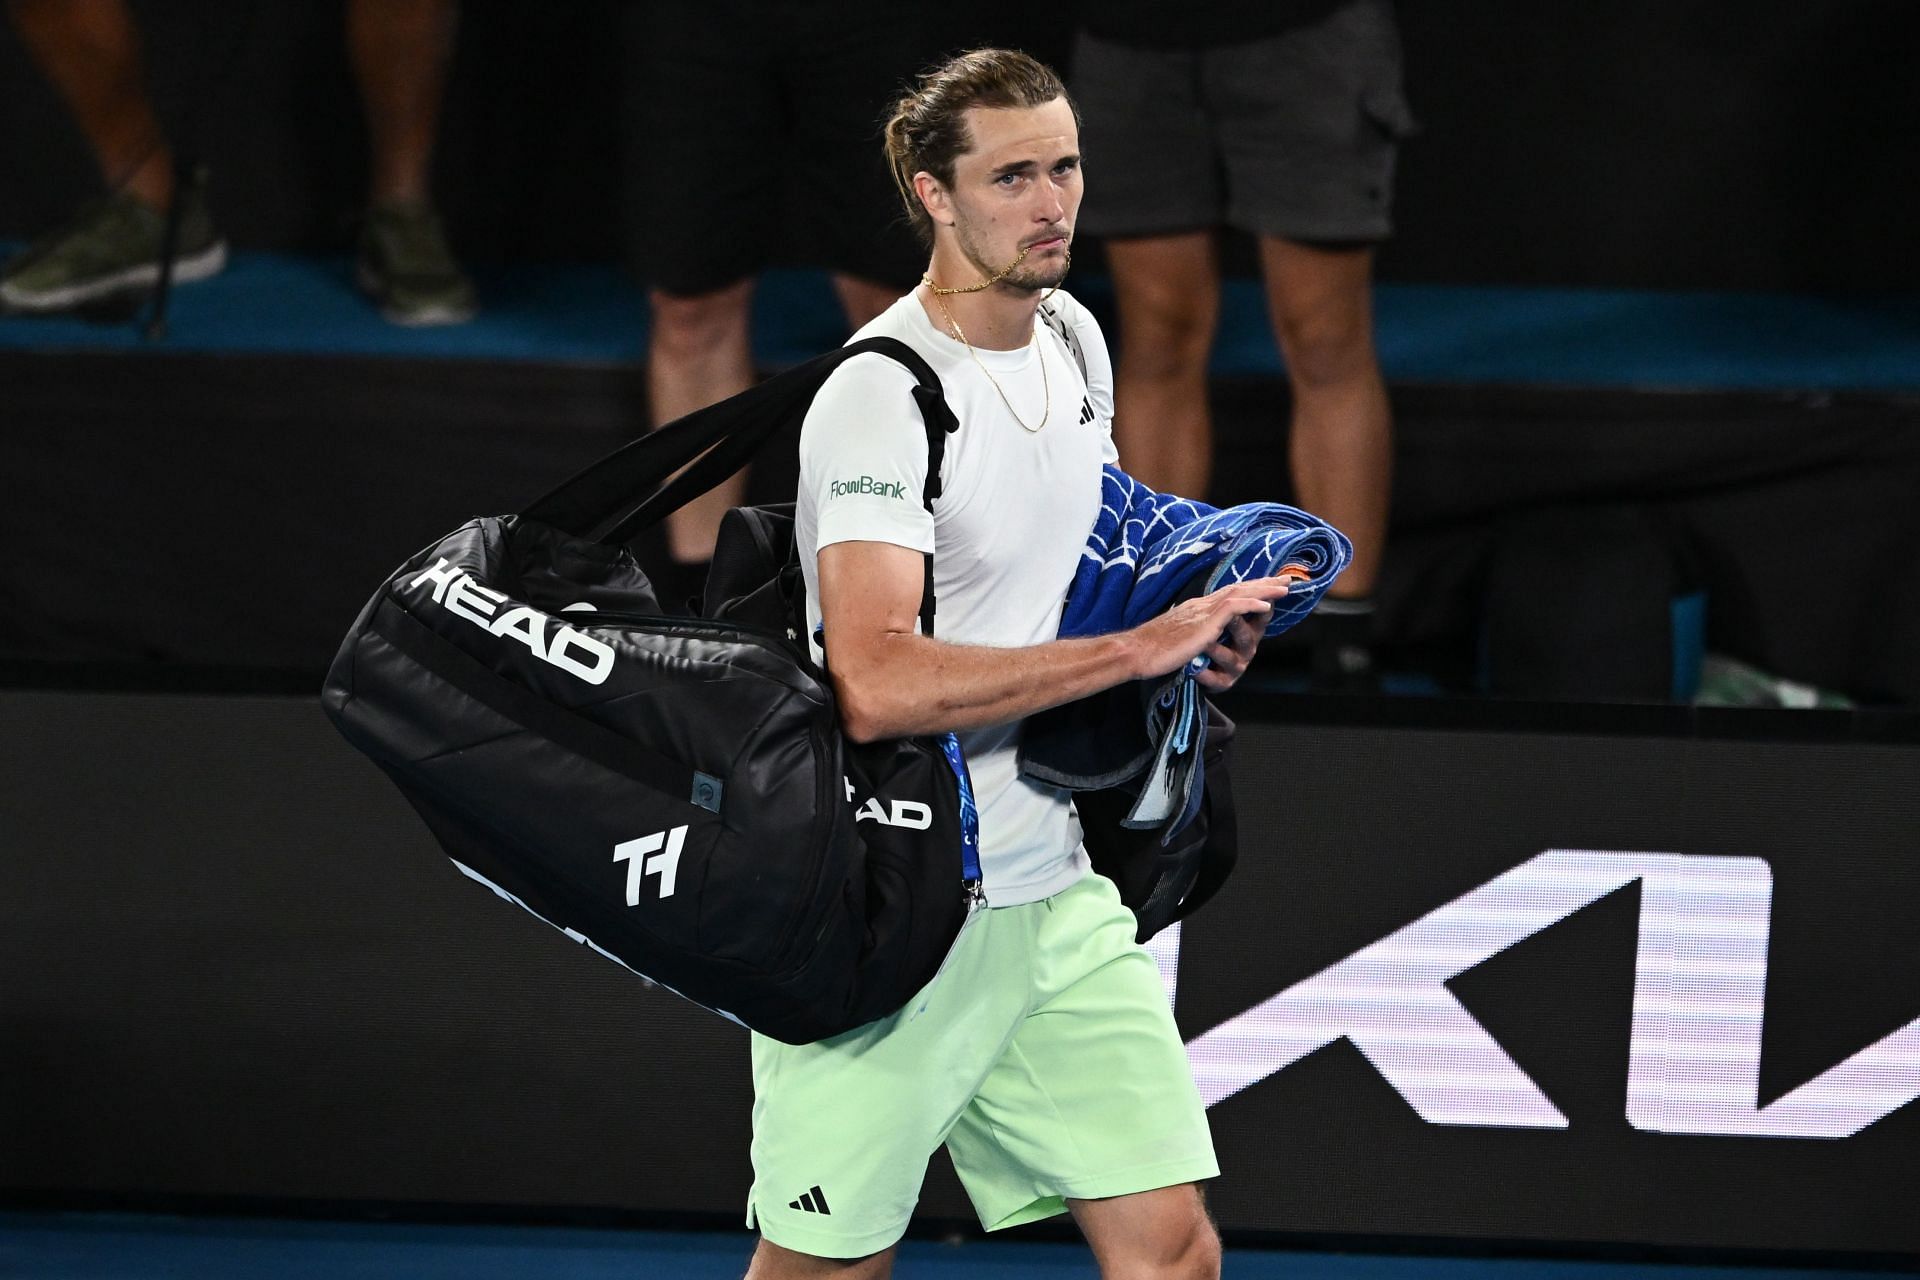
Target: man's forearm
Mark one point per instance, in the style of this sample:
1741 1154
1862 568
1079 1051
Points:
907 684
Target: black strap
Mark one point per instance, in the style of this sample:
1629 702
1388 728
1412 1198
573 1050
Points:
475 678
634 488
599 503
940 420
738 448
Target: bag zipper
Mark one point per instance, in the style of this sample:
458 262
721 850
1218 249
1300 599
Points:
975 896
822 797
786 643
675 622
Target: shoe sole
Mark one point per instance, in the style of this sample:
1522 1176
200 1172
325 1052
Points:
210 261
425 317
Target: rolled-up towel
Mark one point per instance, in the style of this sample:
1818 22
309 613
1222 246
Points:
1147 552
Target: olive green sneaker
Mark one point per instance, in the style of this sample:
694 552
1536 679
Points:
406 266
111 247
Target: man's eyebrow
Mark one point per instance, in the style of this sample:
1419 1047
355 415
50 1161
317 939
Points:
1022 166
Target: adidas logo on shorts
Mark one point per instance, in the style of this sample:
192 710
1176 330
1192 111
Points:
814 1201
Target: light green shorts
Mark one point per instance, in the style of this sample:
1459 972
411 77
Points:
1044 1055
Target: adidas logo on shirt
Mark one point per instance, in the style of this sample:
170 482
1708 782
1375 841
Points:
1086 411
814 1201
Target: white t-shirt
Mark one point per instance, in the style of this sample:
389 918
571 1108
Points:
1006 532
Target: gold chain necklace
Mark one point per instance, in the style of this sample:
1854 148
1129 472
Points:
1040 353
1002 274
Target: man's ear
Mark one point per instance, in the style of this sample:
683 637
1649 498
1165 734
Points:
934 197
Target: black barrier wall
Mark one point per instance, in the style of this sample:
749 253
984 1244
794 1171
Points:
1795 512
1544 987
1558 987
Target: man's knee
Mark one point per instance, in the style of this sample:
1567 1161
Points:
1195 1255
1167 317
1206 1260
1162 1236
1322 305
1173 353
1192 1255
1327 345
1164 334
699 323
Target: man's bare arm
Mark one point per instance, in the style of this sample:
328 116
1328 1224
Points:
893 683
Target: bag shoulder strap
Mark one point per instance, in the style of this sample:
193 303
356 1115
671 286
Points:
634 487
599 503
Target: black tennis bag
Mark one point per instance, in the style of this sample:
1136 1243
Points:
673 791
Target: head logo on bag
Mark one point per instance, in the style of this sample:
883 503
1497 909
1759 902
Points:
462 596
910 814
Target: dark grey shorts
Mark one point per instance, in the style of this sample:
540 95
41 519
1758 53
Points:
755 139
1293 135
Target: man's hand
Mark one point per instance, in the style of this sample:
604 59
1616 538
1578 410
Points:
1226 626
892 683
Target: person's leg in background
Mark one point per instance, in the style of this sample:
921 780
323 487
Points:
90 50
1156 206
862 299
1167 293
699 351
400 50
705 139
1310 121
1340 442
789 164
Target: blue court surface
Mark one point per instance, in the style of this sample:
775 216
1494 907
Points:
128 1247
270 303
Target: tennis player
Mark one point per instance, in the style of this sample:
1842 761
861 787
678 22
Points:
1044 1055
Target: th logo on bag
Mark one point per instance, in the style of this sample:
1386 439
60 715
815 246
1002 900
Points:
644 857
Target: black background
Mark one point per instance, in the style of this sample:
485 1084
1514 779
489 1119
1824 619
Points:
1732 144
238 971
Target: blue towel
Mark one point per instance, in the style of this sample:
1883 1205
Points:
1146 548
1148 551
